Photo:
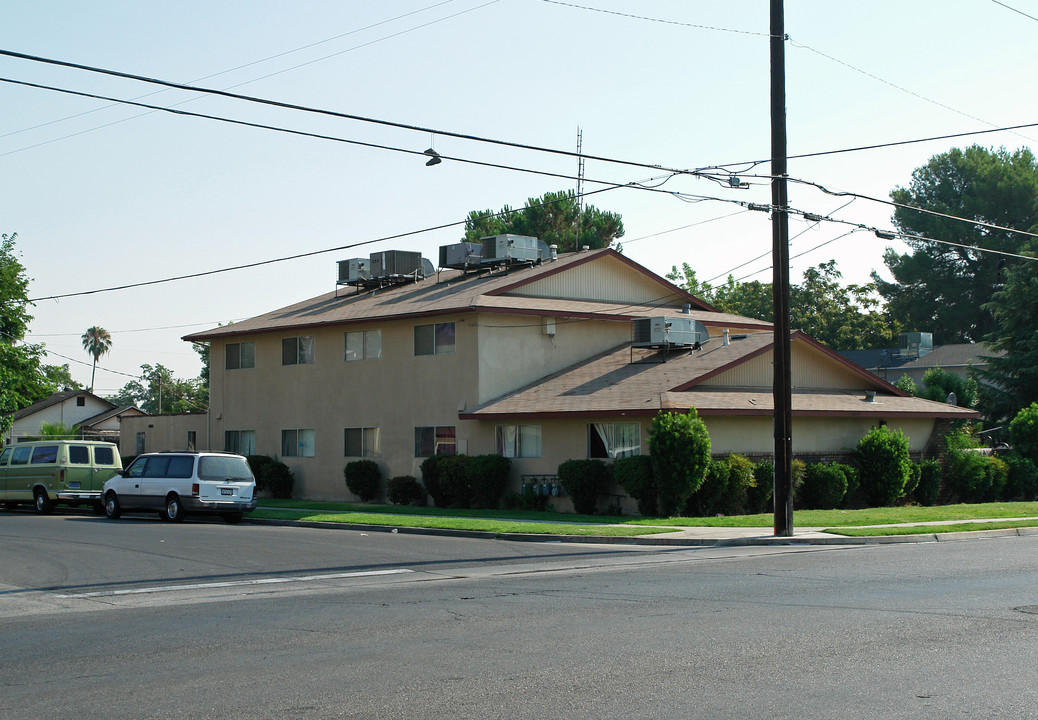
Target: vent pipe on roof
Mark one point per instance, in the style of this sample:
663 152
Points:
870 396
554 252
585 248
727 341
687 308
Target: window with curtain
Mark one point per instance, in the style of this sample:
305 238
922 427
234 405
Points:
439 440
519 441
297 443
363 345
614 440
297 350
363 442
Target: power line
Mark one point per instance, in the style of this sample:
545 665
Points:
293 106
258 62
1007 7
657 20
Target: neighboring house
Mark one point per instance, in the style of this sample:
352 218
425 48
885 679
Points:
95 416
536 363
891 364
169 431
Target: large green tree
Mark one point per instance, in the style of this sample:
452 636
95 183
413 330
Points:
21 376
158 391
1011 380
943 288
844 317
554 218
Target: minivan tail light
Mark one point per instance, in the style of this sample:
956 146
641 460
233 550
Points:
194 489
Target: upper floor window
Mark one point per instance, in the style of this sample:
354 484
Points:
240 356
80 401
363 345
614 440
297 350
440 440
434 339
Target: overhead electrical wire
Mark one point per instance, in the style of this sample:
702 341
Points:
658 20
260 61
1021 12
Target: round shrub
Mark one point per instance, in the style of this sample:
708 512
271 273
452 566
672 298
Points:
972 475
884 465
487 479
680 452
740 480
708 497
824 487
454 481
272 476
584 481
634 475
405 490
1023 478
363 478
851 474
929 487
1023 432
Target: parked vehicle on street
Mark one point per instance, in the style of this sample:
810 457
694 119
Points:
48 472
175 484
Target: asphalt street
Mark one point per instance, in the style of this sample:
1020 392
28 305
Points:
142 619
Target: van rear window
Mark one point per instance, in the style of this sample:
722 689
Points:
213 467
103 456
44 455
79 455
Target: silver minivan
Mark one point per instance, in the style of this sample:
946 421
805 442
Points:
176 484
46 472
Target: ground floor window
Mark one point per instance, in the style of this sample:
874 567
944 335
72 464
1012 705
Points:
297 443
438 440
363 442
240 442
613 440
519 441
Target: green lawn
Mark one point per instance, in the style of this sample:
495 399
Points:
840 522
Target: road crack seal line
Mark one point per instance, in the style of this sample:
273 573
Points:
236 583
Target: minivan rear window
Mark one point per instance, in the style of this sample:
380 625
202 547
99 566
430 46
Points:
44 455
214 467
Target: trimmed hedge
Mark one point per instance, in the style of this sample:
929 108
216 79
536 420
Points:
1023 431
824 487
929 487
487 477
885 466
405 490
584 481
680 452
272 476
1023 478
634 475
363 478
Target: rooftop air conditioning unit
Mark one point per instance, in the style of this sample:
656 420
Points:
522 248
668 332
354 270
460 255
396 262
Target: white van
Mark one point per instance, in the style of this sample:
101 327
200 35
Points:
175 484
46 472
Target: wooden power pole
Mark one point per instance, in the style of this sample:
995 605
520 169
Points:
782 384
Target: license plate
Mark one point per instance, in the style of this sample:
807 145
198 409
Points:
74 485
226 491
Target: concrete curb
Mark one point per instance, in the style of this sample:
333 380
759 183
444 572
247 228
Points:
663 539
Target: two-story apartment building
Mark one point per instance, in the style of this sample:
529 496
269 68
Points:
534 362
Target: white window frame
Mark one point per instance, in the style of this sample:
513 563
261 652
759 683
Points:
370 442
304 351
621 439
244 443
242 359
439 331
301 444
370 342
519 441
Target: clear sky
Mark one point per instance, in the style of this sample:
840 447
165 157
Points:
105 195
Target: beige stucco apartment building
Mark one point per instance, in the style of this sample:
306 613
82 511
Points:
534 362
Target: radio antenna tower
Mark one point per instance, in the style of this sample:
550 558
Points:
580 186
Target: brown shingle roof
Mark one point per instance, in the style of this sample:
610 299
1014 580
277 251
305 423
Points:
451 291
640 382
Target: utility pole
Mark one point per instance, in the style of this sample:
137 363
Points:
782 384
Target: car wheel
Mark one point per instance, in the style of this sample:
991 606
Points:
174 510
41 503
112 508
232 517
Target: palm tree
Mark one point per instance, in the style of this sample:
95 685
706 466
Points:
97 342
